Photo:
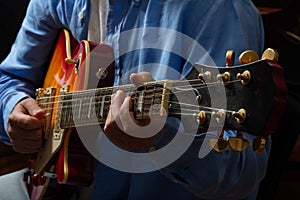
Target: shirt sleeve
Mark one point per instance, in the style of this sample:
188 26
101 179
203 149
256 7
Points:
24 68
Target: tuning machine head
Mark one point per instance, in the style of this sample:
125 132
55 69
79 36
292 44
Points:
259 144
240 116
224 78
219 144
219 115
248 56
230 56
205 77
244 77
270 54
200 117
238 143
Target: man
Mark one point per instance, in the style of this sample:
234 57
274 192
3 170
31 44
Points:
163 38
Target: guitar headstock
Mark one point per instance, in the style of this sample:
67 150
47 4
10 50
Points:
249 97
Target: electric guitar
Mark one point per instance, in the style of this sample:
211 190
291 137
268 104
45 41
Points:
78 87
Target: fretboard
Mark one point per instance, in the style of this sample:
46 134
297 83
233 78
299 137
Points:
91 107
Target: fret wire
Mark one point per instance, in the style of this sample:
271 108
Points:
89 109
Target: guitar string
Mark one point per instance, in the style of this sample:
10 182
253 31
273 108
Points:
89 92
174 103
70 121
88 104
207 109
187 111
147 104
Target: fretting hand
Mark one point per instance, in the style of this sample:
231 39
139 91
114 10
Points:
121 127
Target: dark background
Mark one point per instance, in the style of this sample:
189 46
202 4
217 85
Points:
12 13
282 32
283 175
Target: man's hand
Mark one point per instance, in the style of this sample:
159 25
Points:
25 125
121 127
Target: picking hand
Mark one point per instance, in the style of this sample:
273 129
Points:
25 125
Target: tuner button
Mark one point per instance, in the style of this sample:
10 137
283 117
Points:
238 143
248 57
259 144
218 144
270 54
230 56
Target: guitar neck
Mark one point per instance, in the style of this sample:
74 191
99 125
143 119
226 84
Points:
91 107
247 108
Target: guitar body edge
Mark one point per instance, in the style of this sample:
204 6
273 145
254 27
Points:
56 148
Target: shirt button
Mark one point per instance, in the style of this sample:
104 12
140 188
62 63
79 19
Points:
80 15
137 2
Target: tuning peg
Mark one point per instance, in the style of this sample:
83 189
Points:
200 117
240 116
248 57
238 143
219 115
206 77
270 54
219 144
245 77
230 56
259 144
225 78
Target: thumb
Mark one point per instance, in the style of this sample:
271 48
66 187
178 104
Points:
140 78
33 109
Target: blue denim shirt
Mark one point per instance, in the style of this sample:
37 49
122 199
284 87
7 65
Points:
164 37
